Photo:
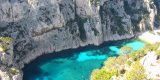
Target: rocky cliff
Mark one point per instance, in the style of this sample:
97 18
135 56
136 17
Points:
45 26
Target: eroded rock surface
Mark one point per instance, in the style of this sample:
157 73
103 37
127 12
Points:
151 65
45 26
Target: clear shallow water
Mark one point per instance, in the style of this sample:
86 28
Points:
75 64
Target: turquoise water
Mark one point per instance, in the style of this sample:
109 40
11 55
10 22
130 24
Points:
77 64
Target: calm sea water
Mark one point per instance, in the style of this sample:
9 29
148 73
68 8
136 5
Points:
75 64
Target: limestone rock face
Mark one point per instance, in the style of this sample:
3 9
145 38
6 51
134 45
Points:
151 66
5 75
17 77
45 26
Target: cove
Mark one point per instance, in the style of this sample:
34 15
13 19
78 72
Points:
75 64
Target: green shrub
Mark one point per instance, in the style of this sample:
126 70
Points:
151 47
137 55
4 47
110 62
129 62
13 71
121 60
115 63
6 39
150 1
133 56
136 72
141 52
96 2
158 52
5 42
103 74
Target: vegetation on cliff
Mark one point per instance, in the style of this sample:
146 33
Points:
4 42
125 67
95 2
137 72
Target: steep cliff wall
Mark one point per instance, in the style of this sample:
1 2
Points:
44 26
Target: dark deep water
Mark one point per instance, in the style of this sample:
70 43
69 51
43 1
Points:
75 64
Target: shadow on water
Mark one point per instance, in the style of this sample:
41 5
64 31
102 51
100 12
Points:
33 67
